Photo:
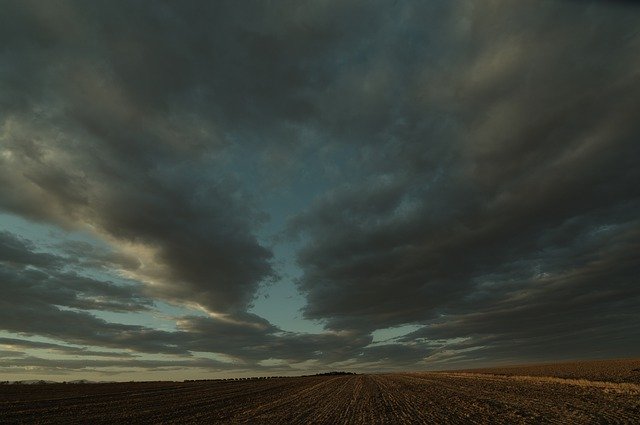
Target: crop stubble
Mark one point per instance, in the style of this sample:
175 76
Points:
359 399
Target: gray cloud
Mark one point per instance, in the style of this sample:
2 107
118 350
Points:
66 365
505 189
31 279
41 299
393 356
251 339
122 149
585 307
62 349
15 251
475 170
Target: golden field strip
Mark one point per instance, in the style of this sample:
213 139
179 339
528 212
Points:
619 370
399 398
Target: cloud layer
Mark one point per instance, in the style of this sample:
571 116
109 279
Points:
464 167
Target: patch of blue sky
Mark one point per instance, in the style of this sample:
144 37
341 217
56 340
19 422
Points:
48 238
220 357
317 168
45 236
281 304
390 334
104 275
280 301
149 319
146 319
163 316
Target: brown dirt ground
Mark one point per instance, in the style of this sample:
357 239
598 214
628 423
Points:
623 370
409 398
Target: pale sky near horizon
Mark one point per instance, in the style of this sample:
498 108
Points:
208 189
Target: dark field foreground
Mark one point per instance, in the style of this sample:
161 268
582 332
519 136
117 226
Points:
359 399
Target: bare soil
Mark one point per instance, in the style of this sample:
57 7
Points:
624 370
409 398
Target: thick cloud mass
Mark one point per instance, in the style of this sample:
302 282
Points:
40 298
501 204
109 136
471 167
508 215
515 228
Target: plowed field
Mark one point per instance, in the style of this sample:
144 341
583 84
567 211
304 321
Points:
623 370
357 399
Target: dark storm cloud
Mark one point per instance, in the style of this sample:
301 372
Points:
486 152
117 115
122 117
129 135
502 205
585 307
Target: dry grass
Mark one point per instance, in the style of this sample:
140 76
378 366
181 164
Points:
623 370
619 387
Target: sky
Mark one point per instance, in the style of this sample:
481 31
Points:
206 189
